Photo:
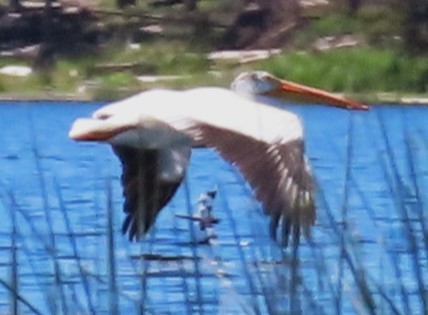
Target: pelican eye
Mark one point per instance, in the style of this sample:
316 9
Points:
102 116
255 76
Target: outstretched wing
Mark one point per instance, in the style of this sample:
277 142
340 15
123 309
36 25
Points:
277 171
145 189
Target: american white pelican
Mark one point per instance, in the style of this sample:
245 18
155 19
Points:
153 132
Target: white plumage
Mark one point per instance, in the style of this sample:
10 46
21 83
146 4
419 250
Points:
153 132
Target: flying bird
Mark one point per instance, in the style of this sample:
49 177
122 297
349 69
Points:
154 131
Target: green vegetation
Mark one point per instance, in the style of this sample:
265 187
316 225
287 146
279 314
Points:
379 63
378 25
353 70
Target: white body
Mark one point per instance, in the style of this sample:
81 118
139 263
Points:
263 141
214 106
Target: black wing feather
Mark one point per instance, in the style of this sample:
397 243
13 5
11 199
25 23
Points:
144 191
278 173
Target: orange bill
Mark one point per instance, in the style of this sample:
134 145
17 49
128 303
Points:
306 94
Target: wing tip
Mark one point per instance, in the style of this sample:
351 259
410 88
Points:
299 222
135 231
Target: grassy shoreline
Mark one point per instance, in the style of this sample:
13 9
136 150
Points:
380 98
374 68
369 74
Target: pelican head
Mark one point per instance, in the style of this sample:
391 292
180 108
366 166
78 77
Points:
255 83
261 83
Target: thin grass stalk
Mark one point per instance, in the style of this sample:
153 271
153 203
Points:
411 236
368 208
362 285
321 270
143 273
215 256
100 279
417 189
385 296
269 294
14 258
145 266
111 261
319 260
370 212
143 285
140 271
25 250
295 306
79 309
20 298
424 218
331 220
25 246
359 274
140 267
364 288
180 262
52 243
142 210
411 239
99 253
315 309
333 225
421 220
392 258
395 259
272 295
16 209
401 207
393 182
33 228
72 240
358 277
194 252
345 213
57 271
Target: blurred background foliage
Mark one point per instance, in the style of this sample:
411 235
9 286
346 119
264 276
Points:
99 48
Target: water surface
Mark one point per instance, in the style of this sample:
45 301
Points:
372 179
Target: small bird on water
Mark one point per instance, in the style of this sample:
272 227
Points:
203 217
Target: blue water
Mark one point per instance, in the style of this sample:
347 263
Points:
372 179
